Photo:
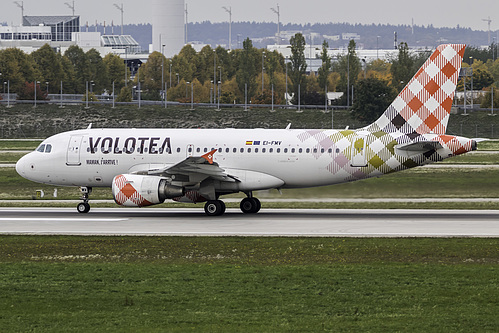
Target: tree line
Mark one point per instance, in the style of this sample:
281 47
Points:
249 74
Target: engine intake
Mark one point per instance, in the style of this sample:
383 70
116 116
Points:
141 191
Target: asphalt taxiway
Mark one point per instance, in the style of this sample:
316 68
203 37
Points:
269 222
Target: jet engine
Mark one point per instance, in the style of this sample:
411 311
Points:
141 191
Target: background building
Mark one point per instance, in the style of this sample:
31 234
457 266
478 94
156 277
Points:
168 26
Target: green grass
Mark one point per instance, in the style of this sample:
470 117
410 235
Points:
178 284
19 145
10 157
489 145
414 183
475 158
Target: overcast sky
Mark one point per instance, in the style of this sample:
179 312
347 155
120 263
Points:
440 13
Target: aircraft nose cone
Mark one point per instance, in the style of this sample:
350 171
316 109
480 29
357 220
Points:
21 166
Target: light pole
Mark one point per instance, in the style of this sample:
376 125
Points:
211 92
36 86
286 62
472 92
47 88
170 73
214 75
192 95
126 66
20 4
8 93
71 6
121 9
178 79
86 93
229 10
219 84
278 12
263 67
138 83
348 79
163 66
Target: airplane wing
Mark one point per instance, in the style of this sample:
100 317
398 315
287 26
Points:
194 167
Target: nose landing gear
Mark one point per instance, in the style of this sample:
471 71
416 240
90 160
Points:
84 207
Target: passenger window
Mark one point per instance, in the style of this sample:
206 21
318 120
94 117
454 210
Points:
234 150
271 150
198 150
242 150
300 150
293 150
219 150
41 149
249 150
227 150
308 150
337 150
322 150
206 150
315 150
285 150
263 150
178 150
330 150
48 148
278 150
256 150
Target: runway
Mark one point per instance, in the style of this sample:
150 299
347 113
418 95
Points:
269 222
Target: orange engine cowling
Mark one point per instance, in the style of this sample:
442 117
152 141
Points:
141 191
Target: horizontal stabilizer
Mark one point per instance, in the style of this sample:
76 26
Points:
419 147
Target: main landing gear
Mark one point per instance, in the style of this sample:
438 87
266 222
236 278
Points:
248 205
84 207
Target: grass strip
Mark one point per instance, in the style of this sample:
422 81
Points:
232 284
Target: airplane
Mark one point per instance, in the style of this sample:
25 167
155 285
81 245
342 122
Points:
145 167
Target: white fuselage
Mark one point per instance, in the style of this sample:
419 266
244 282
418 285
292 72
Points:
299 158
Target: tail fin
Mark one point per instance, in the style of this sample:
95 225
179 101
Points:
424 104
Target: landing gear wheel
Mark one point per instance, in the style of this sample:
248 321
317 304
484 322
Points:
250 205
214 208
83 207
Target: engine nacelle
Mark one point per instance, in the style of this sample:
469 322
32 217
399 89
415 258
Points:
141 191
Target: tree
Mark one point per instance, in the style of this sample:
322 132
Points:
247 69
151 72
98 70
125 95
27 92
115 67
481 79
18 67
349 69
402 68
50 67
372 97
486 103
298 64
326 65
80 63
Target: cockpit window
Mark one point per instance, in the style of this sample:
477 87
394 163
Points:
44 148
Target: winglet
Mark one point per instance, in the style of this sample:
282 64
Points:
209 156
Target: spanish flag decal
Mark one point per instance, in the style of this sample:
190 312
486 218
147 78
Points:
249 143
